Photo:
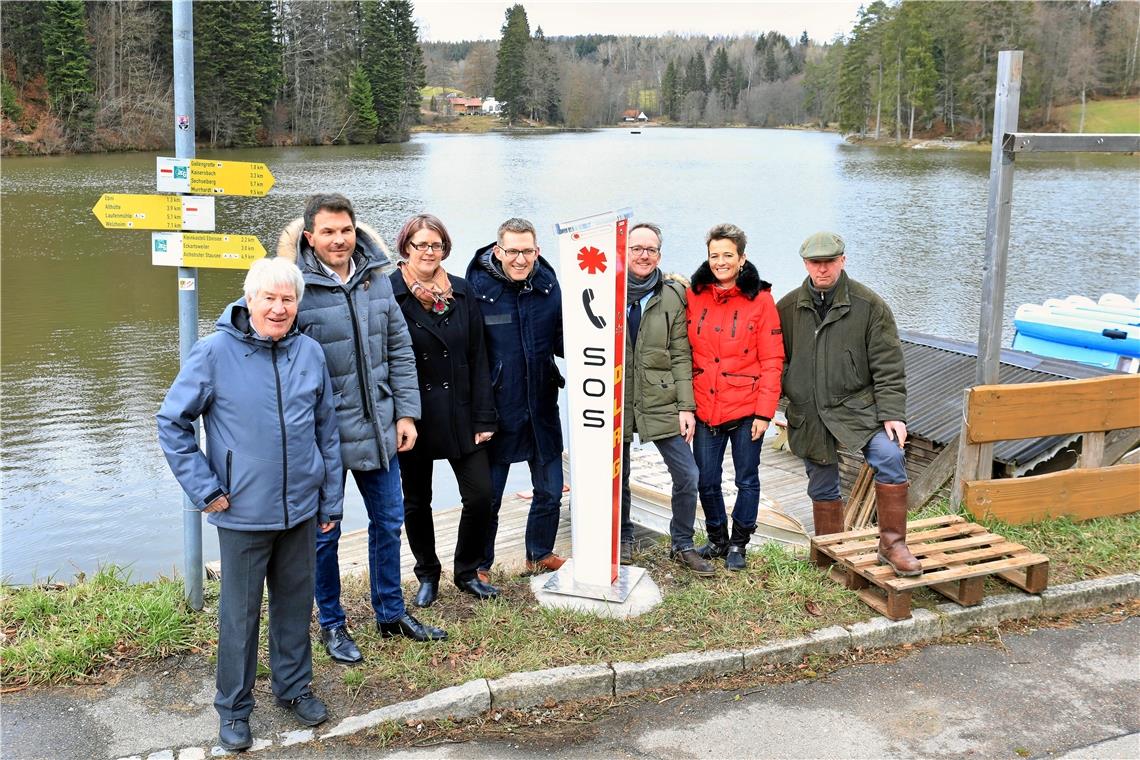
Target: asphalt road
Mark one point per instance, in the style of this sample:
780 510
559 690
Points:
1071 693
1067 692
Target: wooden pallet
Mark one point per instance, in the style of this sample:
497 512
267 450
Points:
956 557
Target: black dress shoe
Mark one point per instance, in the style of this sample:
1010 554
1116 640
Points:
410 627
734 560
478 588
308 709
340 645
234 735
427 594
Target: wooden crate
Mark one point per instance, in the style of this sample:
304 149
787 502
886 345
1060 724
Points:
956 557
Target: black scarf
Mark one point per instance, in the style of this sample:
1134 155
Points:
637 288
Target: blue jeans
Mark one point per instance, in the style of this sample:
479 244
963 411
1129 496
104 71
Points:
545 508
683 471
384 502
708 450
882 454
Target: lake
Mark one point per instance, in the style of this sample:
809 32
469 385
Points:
88 327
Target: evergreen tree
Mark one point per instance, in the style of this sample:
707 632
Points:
360 107
541 80
670 95
236 68
696 79
510 73
67 69
721 79
21 34
394 63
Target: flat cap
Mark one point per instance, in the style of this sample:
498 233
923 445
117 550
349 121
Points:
822 245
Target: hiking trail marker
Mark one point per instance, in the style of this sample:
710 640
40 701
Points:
196 175
212 251
119 211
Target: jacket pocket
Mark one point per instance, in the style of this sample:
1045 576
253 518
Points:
229 468
795 416
497 376
740 380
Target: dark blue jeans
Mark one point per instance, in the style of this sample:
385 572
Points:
883 456
708 449
384 502
545 508
683 471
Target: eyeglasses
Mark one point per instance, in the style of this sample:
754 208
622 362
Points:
421 247
514 253
637 250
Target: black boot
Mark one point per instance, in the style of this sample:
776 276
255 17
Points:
734 559
717 545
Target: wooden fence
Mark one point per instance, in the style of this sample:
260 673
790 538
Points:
1029 410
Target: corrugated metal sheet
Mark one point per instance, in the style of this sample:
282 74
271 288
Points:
939 369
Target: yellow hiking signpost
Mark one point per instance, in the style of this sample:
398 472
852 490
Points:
196 175
213 251
120 211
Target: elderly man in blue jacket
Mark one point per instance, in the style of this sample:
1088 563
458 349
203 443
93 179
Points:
522 320
270 475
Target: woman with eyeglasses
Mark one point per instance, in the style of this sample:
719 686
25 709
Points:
458 409
738 355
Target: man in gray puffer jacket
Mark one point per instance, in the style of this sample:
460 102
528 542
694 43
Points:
350 310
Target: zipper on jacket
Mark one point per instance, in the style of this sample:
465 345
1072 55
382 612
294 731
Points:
701 321
284 445
229 467
735 313
365 396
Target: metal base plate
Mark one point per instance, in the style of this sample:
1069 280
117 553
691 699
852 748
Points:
562 582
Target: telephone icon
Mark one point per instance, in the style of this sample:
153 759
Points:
587 299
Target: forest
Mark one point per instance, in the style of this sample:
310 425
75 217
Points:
93 76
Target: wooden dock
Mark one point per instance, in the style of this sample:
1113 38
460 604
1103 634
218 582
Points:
783 486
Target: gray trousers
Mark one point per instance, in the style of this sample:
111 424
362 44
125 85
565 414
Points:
285 559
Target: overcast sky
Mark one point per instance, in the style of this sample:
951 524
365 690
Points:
451 20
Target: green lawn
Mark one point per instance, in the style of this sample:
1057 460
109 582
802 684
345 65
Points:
1111 116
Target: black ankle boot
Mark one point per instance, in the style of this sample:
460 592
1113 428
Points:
717 545
734 559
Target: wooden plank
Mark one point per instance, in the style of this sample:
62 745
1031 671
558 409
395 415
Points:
1120 442
933 476
913 540
1092 451
957 573
965 550
913 525
966 592
1033 579
1031 410
969 459
1080 494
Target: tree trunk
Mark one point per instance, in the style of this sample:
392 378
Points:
879 102
898 97
910 136
1081 128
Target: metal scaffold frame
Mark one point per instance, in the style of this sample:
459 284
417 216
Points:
1007 143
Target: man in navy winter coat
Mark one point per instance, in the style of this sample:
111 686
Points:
271 473
522 318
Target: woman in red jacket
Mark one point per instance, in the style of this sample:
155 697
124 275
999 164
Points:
738 354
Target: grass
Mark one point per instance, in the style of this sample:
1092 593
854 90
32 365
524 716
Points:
1110 116
66 634
63 634
464 124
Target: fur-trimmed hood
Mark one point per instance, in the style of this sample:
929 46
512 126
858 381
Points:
291 242
748 280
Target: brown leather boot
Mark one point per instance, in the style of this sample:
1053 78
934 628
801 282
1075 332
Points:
828 517
890 503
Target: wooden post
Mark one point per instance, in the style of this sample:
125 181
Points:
1007 100
968 463
1092 450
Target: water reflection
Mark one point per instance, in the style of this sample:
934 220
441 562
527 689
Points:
89 327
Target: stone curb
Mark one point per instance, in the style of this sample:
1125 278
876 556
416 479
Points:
531 689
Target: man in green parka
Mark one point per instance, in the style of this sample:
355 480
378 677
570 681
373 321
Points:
659 402
845 382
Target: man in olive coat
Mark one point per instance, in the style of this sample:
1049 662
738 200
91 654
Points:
845 381
659 401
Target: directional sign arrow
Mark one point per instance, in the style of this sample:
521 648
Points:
118 211
211 251
196 175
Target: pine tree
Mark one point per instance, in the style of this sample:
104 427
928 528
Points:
670 97
510 73
361 108
67 56
236 69
721 78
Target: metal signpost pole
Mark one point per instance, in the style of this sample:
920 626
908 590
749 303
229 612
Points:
183 23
